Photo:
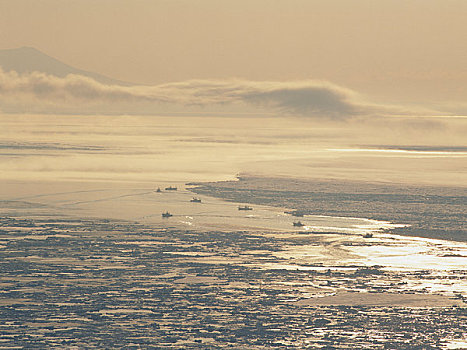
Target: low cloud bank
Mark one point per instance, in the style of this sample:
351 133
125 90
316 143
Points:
307 98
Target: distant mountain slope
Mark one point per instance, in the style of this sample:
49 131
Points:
29 59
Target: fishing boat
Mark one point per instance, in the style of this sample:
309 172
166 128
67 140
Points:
298 224
158 190
166 215
195 200
245 207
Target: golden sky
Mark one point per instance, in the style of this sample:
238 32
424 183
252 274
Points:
398 51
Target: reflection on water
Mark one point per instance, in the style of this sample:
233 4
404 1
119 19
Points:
413 253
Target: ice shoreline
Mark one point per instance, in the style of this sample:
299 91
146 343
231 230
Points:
445 207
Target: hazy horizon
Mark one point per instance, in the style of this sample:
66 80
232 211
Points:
391 52
395 50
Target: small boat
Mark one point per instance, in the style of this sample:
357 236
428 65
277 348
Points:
166 215
195 200
170 188
298 224
367 235
245 207
158 190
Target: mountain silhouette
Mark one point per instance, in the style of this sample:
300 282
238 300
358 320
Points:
28 59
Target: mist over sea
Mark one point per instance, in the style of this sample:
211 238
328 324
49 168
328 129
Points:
171 148
91 164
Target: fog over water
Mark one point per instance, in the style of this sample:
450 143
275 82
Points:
109 166
171 148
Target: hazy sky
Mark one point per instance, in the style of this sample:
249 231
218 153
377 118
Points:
393 50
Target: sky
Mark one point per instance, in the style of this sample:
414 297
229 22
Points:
410 52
